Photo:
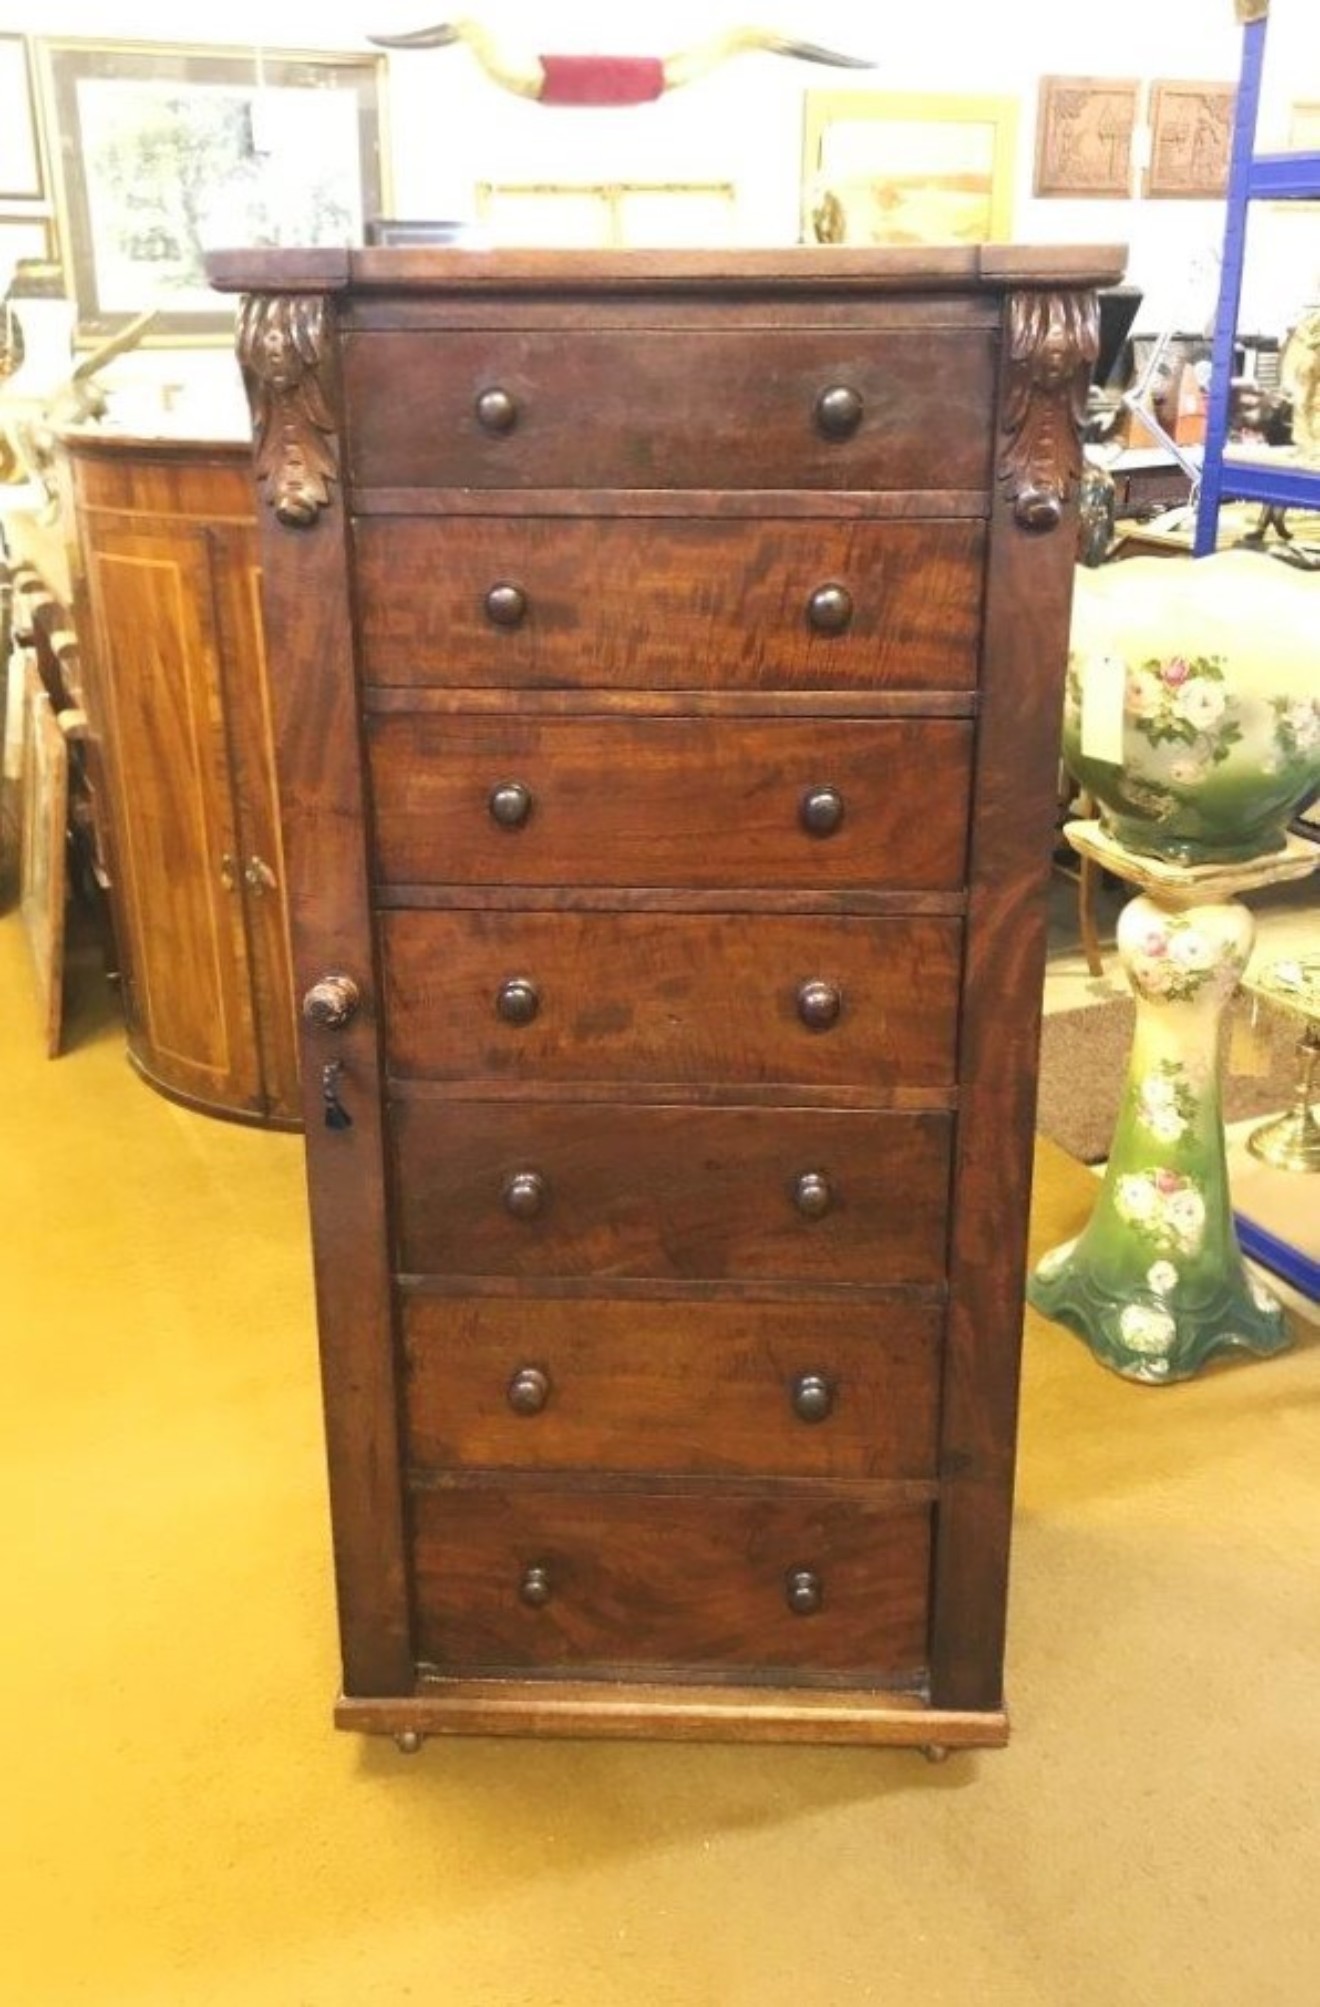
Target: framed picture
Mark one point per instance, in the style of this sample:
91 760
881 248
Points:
165 153
1084 128
1191 137
893 168
20 145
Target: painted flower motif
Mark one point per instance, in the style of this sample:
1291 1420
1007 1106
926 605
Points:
1191 950
1184 1211
1183 701
1143 695
1147 1329
1162 1277
1137 1199
1163 1207
1202 705
1296 726
1177 961
1164 1100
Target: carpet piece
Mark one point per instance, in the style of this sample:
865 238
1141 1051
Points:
1083 1062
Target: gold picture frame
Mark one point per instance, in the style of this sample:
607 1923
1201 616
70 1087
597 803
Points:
885 167
1084 128
601 215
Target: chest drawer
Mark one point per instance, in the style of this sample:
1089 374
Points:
664 997
500 800
655 603
554 1579
821 1389
586 1189
737 408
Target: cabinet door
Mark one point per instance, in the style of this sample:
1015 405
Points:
177 855
246 688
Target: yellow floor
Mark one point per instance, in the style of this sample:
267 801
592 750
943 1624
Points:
181 1825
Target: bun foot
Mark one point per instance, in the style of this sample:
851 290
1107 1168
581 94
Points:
935 1752
408 1741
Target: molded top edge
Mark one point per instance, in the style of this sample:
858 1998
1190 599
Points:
936 268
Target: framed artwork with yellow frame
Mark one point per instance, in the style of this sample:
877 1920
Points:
882 167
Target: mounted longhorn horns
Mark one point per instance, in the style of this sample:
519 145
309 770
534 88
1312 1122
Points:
610 80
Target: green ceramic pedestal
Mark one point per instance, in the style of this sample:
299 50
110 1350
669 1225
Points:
1156 1283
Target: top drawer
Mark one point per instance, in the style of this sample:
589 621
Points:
615 409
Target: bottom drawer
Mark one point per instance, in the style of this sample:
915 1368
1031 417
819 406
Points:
639 1581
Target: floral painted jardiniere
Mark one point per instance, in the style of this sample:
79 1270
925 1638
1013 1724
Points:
1219 667
1156 1283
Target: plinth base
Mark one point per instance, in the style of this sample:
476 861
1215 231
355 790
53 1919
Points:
1156 1339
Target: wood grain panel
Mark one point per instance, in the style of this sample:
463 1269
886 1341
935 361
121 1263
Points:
701 1387
732 409
670 605
656 997
641 1582
656 801
189 986
670 1191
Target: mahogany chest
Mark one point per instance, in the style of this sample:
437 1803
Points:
667 654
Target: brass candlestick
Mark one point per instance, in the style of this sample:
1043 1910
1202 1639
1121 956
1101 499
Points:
1291 1142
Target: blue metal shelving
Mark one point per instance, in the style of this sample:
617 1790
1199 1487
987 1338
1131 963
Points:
1252 177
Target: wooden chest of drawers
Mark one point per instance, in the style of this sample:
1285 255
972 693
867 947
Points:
667 654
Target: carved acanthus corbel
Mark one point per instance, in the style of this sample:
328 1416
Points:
1053 342
282 345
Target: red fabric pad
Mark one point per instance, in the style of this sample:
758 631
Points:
602 80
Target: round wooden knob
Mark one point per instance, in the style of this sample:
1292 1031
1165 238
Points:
331 1002
518 1000
506 605
529 1390
496 411
524 1194
821 811
535 1587
819 1005
838 411
813 1397
830 609
813 1195
803 1590
510 804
